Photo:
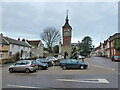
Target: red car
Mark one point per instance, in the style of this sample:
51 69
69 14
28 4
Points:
115 58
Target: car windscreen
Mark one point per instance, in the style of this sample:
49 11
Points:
33 62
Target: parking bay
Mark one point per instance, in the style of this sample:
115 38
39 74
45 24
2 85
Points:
55 77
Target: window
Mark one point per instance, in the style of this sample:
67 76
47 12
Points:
2 45
10 54
12 46
66 42
74 61
18 63
1 55
23 47
23 63
68 61
114 51
18 47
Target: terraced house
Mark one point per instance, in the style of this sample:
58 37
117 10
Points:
37 48
11 47
112 45
4 47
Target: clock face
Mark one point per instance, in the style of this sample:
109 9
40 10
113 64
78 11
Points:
66 32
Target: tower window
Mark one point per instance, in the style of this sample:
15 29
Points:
66 42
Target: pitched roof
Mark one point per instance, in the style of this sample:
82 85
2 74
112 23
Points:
2 41
66 25
76 44
16 42
34 42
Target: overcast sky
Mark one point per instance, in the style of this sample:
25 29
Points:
27 20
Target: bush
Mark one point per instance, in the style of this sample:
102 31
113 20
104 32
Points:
57 62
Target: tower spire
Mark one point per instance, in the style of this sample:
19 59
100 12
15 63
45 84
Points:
67 21
67 15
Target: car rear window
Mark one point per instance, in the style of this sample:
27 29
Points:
27 62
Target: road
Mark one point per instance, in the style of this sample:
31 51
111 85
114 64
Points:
101 73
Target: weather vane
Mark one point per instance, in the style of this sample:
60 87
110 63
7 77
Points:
67 12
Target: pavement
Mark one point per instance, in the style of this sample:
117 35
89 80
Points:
101 73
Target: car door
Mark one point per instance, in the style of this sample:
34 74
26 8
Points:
75 64
23 65
68 64
17 66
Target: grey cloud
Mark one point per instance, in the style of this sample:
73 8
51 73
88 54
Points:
98 20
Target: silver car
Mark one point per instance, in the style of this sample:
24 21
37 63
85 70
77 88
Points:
24 65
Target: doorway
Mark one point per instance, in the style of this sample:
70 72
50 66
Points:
66 55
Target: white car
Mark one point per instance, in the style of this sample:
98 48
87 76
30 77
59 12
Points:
50 58
79 57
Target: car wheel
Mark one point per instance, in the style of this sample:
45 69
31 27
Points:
27 70
39 67
64 67
10 70
81 67
85 67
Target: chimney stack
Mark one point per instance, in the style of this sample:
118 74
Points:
1 35
18 39
23 40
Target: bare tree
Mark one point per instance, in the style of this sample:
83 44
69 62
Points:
50 36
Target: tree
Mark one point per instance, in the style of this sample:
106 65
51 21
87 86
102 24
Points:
74 53
85 46
88 41
17 56
50 36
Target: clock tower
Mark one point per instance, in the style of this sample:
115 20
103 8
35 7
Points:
66 33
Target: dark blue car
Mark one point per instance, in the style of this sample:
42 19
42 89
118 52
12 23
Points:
73 63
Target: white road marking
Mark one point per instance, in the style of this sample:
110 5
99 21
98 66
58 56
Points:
86 80
102 67
21 86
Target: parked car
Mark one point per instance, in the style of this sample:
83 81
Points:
50 58
73 63
24 65
115 58
81 58
50 63
41 65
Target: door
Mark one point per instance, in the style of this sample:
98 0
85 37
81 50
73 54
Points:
66 55
23 66
68 63
17 66
75 64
